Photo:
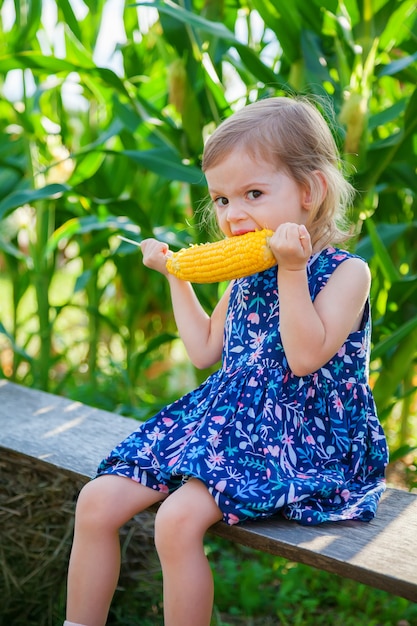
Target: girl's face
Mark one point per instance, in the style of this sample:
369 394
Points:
250 194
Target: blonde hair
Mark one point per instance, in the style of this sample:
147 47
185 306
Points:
292 133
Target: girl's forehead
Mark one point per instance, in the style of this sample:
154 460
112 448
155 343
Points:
242 165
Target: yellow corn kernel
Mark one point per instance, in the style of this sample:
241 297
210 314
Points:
230 258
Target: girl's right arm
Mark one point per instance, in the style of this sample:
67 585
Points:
202 334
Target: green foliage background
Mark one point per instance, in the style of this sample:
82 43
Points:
104 109
95 144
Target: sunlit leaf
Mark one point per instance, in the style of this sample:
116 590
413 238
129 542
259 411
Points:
69 17
88 224
166 164
54 65
284 20
87 166
188 17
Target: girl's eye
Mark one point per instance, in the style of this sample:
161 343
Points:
221 201
254 193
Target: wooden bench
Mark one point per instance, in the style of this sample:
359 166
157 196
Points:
74 437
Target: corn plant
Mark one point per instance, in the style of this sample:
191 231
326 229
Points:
122 154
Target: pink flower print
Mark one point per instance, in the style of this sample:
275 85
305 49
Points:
221 485
219 419
254 318
215 438
257 339
167 421
233 519
156 434
311 392
345 494
173 460
255 355
163 488
287 440
252 382
338 405
310 440
342 354
216 459
273 450
146 449
231 316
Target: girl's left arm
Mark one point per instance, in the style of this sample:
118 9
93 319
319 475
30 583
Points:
312 332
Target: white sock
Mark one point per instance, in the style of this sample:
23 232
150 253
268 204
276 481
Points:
66 623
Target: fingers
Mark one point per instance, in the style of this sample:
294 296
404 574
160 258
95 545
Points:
302 232
305 240
291 235
291 245
155 254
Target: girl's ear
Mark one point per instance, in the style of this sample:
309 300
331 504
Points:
315 190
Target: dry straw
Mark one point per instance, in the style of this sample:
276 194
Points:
36 522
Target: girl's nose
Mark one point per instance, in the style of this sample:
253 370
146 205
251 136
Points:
235 211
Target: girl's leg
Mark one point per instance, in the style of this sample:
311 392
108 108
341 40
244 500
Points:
180 526
104 505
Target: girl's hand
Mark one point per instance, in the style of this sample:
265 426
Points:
291 246
155 254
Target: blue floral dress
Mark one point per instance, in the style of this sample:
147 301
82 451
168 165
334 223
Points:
262 439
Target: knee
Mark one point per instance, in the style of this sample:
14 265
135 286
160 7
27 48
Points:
172 528
93 509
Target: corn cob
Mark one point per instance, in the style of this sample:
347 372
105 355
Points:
230 258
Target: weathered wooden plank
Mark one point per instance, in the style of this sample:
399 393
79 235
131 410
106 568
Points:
381 553
74 437
70 435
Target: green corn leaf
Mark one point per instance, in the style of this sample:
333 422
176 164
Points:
401 452
89 224
384 260
165 163
394 339
12 250
29 196
284 20
16 348
87 166
69 18
174 10
397 66
54 65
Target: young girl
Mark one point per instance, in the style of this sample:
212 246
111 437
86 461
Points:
287 424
